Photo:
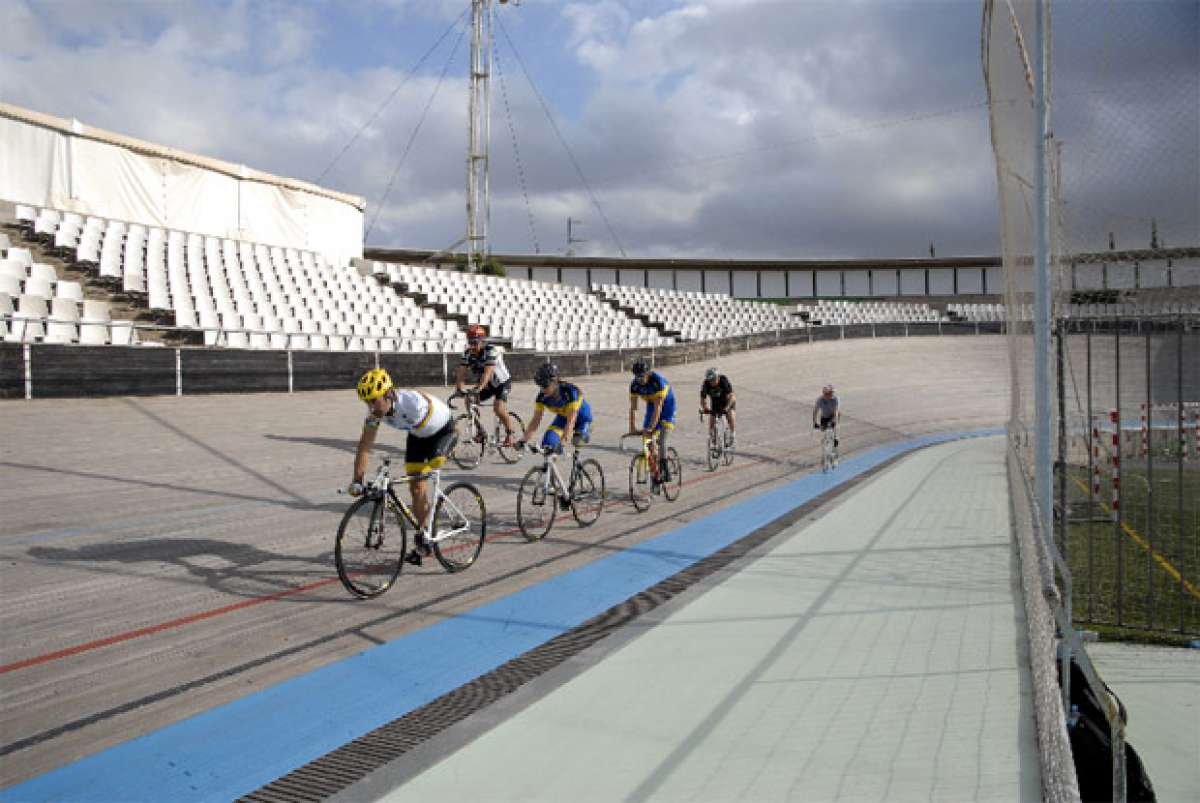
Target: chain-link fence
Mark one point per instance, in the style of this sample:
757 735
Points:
1128 481
1096 134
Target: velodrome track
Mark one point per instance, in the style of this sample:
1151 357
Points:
162 556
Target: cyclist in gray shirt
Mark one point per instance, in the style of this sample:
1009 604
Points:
827 412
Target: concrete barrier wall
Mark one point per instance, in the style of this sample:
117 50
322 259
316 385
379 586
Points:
58 371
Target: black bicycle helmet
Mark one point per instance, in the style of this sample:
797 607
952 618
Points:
546 373
640 366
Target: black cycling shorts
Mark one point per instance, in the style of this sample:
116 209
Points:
422 455
496 391
829 423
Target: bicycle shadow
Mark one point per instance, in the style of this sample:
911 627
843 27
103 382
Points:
231 568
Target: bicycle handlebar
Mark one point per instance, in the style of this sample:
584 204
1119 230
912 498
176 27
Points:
471 396
639 434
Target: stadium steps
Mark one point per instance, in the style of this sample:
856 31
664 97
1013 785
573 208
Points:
442 310
630 312
122 305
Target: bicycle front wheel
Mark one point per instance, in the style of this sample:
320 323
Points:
459 526
536 505
468 450
639 482
587 495
671 489
509 454
714 450
370 546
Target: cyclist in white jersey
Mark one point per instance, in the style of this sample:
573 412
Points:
430 430
484 363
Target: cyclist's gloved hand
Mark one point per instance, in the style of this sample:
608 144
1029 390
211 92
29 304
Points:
356 488
816 426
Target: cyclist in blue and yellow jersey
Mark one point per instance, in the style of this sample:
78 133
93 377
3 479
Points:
653 388
430 430
572 414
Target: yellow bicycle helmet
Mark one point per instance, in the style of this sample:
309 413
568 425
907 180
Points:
374 383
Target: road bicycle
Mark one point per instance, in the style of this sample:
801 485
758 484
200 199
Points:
473 438
372 539
720 441
543 492
829 450
645 471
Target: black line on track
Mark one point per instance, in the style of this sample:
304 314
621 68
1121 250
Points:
326 776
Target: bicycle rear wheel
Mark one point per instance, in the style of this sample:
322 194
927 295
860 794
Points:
671 489
460 526
536 505
639 482
370 546
468 450
509 454
587 493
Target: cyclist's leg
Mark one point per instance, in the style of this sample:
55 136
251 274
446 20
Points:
501 408
732 419
583 432
422 455
554 432
664 429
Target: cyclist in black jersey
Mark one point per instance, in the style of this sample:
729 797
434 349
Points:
717 390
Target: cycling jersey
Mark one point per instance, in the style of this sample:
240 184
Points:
655 390
827 407
476 361
416 413
719 393
566 398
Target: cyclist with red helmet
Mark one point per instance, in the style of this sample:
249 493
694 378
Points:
483 363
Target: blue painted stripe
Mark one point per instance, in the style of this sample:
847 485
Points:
235 748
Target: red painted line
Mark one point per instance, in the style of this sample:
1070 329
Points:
146 631
249 603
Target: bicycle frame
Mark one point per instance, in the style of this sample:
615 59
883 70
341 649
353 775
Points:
383 485
648 452
550 470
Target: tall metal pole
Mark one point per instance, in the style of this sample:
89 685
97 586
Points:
478 210
1043 467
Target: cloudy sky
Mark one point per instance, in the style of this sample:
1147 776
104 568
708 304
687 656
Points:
687 128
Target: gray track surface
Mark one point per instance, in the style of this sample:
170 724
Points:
209 522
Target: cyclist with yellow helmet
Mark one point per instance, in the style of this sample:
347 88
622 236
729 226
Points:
430 430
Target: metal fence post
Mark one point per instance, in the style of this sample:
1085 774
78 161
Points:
1063 507
1179 476
291 376
1149 368
1120 544
1093 436
178 372
26 356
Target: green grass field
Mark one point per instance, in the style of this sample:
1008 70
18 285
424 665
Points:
1139 580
